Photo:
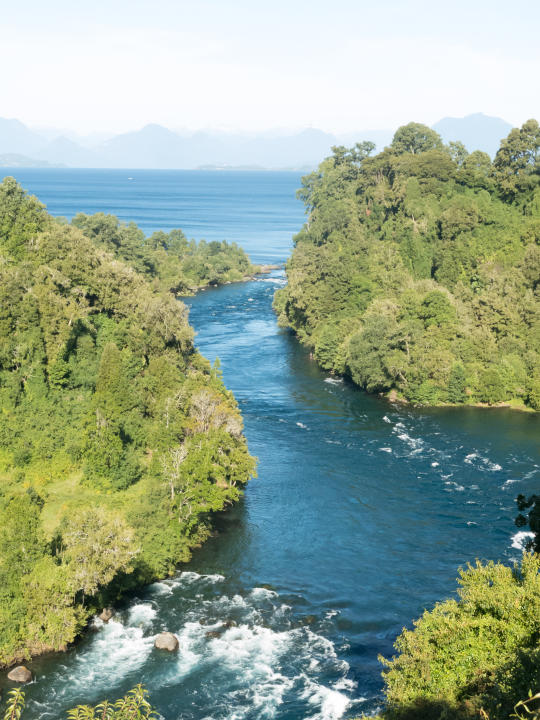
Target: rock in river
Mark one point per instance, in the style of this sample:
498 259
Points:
106 614
20 674
212 634
166 641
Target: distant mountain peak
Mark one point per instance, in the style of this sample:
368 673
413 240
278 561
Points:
476 131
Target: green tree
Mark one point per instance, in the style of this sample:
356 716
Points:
516 165
476 651
415 138
96 545
457 385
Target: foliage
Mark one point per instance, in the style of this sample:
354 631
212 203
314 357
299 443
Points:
531 519
133 706
14 705
418 269
169 260
99 384
476 653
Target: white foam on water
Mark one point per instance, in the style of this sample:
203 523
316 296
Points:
333 380
332 703
483 462
275 280
141 615
260 592
215 577
454 486
386 419
116 651
255 655
416 444
345 684
520 538
250 299
509 482
261 662
160 588
188 577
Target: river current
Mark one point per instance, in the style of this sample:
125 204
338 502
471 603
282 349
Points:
361 514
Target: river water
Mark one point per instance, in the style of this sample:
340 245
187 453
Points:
359 519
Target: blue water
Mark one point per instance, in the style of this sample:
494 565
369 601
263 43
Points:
360 517
257 210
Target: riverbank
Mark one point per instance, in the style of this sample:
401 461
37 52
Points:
256 271
394 397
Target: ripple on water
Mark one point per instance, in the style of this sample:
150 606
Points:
242 655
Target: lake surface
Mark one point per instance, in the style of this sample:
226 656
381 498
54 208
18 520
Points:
359 519
258 210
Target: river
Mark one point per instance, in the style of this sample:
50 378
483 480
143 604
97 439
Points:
361 514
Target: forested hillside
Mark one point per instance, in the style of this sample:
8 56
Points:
418 270
168 260
117 439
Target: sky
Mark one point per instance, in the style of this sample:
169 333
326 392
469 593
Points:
339 65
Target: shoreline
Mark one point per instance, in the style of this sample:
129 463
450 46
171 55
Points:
256 271
393 396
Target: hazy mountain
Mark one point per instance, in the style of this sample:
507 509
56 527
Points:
381 138
152 147
15 137
155 146
476 132
66 151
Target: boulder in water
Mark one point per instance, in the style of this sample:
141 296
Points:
166 641
106 614
212 634
20 674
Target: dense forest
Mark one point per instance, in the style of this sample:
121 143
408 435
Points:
168 260
418 270
474 656
117 439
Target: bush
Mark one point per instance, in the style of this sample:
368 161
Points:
133 706
479 651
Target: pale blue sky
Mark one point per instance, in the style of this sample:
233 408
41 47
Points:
238 64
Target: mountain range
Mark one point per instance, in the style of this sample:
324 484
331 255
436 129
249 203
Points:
157 147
